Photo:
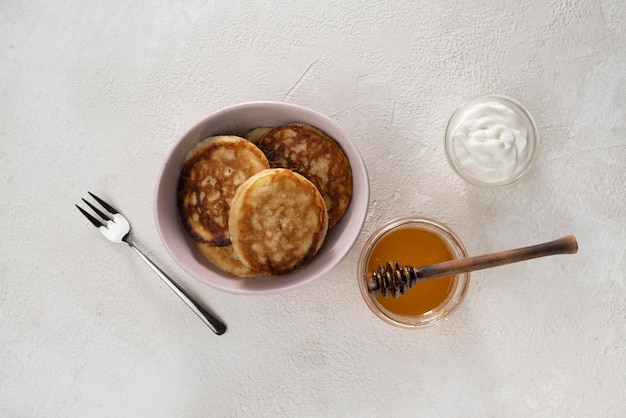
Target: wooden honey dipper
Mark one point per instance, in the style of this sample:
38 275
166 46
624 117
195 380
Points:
395 279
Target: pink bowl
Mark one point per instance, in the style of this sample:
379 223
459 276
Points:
239 120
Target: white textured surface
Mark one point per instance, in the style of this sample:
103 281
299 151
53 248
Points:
92 96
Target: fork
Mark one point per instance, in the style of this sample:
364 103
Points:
117 229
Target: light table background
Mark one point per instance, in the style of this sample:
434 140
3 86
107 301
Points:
92 95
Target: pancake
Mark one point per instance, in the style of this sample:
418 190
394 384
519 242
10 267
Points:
256 134
310 152
278 221
209 178
225 259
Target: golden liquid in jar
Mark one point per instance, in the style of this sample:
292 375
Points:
414 247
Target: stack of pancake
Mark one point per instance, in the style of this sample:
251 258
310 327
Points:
262 205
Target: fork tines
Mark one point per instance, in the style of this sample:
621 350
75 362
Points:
96 222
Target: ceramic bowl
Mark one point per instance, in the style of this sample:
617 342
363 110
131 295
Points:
239 120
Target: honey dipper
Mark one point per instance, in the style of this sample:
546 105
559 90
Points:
395 279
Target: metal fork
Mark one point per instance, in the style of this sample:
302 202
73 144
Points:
117 229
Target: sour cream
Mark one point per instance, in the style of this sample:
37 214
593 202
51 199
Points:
491 141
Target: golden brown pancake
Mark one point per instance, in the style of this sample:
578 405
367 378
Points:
278 221
315 155
209 178
256 134
225 259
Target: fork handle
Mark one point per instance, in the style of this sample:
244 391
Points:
210 320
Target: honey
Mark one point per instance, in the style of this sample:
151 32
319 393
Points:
416 247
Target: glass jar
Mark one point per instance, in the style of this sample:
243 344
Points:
415 241
491 141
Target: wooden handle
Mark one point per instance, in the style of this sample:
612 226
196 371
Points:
565 245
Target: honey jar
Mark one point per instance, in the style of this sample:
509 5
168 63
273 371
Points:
415 241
